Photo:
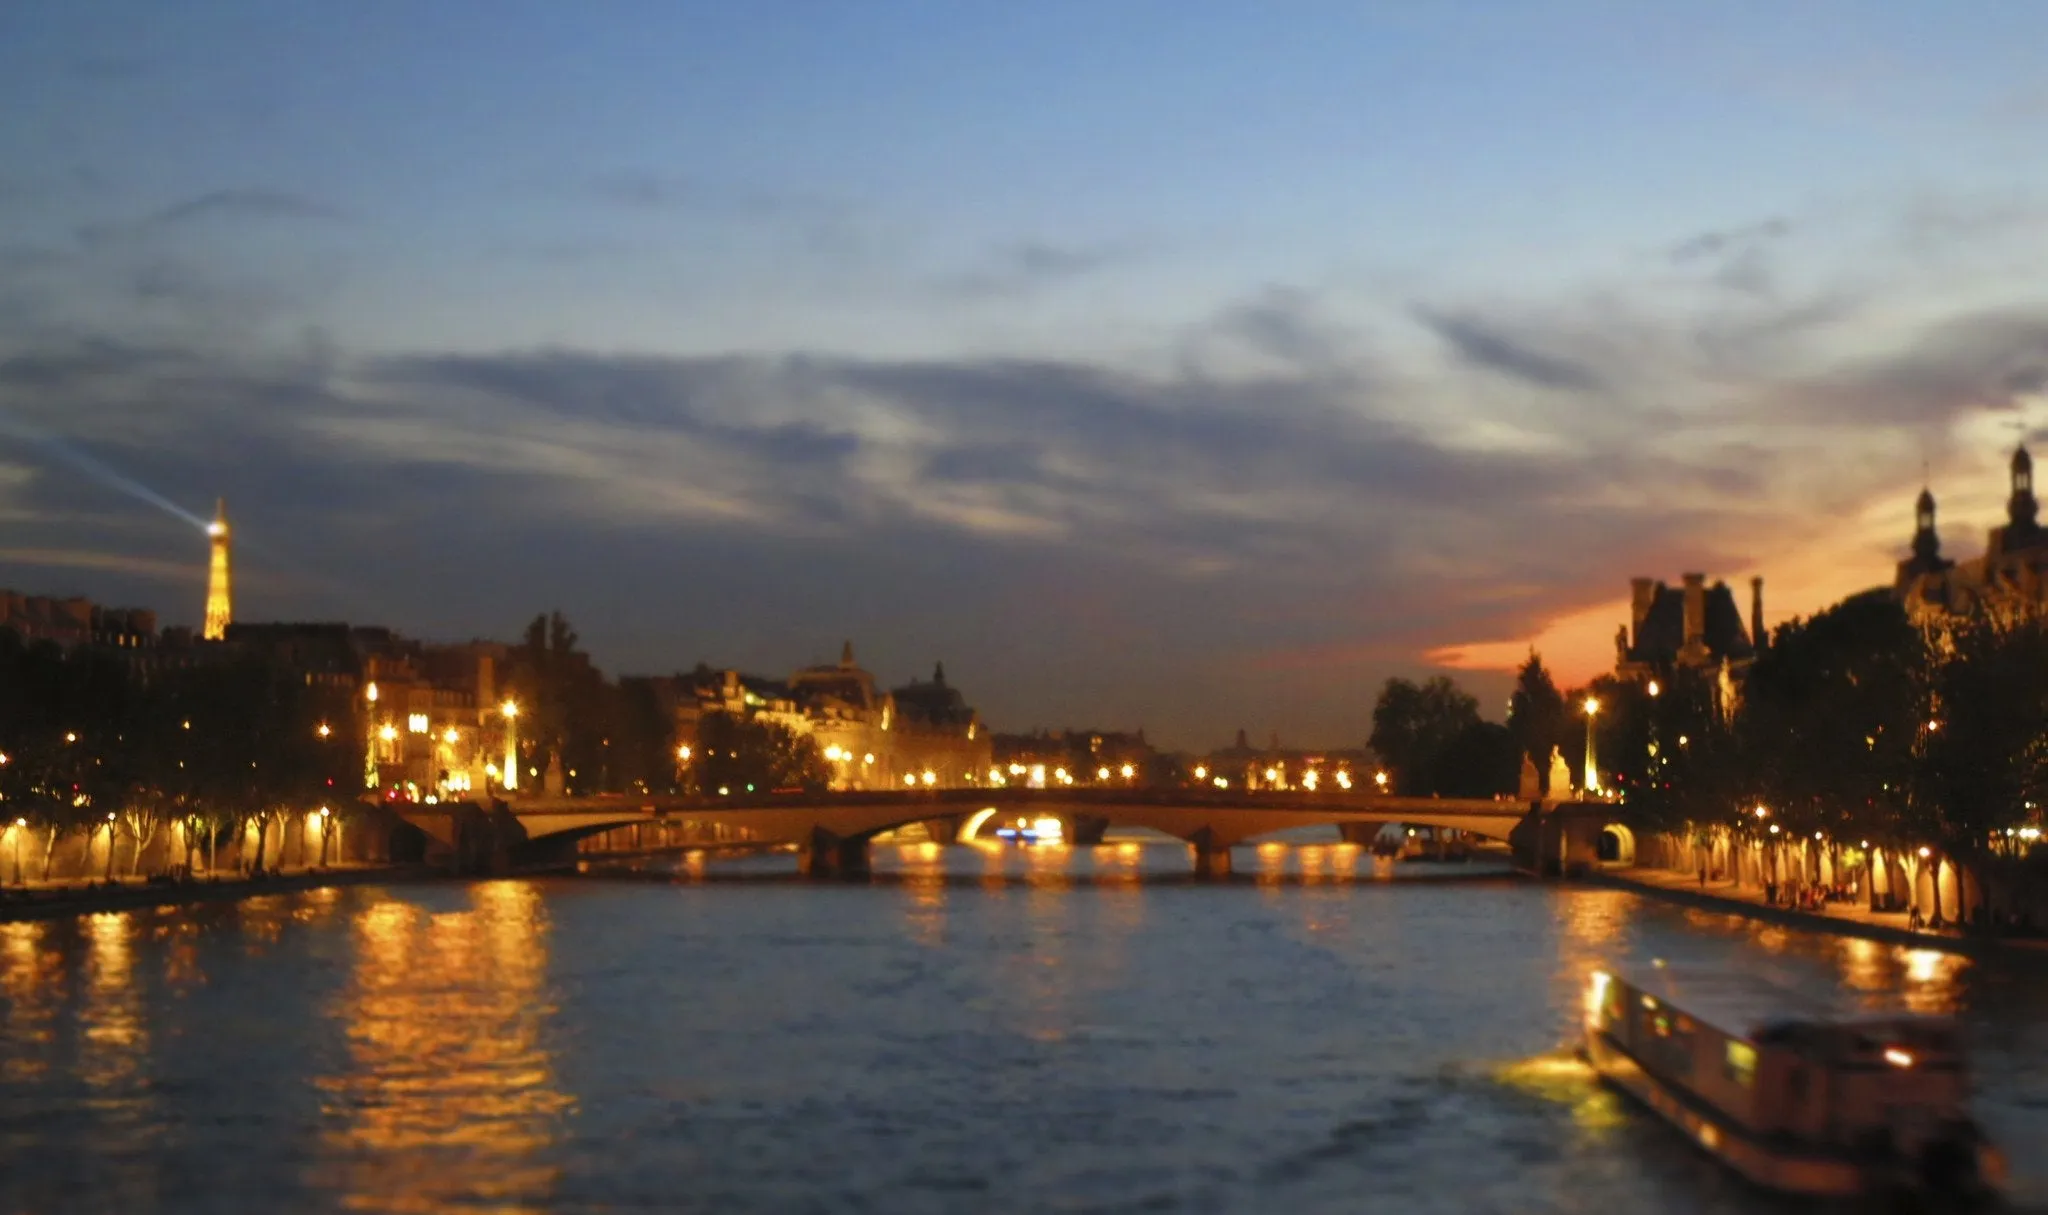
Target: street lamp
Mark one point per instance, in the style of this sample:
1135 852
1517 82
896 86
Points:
510 711
1592 707
1380 778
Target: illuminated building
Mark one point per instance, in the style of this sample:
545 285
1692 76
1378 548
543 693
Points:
869 738
219 596
1086 754
1244 766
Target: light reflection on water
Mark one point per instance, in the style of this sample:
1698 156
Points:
979 1028
448 1095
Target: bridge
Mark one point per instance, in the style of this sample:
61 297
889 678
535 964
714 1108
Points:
831 831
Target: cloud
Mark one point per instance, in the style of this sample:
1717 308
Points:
154 568
1714 243
1025 266
644 190
1485 346
1276 505
245 204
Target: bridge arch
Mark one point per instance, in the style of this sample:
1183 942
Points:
1617 845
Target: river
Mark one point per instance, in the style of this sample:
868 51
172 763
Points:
970 1031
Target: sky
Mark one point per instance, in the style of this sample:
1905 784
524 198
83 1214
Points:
1183 365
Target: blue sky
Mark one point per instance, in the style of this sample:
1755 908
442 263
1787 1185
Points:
1183 364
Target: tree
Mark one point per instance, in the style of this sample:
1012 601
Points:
1413 725
750 755
1536 713
1482 760
1984 746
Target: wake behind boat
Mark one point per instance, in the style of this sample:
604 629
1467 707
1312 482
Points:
1787 1095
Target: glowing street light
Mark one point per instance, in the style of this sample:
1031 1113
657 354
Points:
1654 689
683 753
510 711
1380 778
1102 773
1592 707
1201 772
324 730
370 692
1128 772
389 733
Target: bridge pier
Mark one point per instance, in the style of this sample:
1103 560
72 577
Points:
826 855
1086 830
1212 856
1365 835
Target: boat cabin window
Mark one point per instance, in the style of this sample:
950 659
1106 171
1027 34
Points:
1740 1063
1669 1044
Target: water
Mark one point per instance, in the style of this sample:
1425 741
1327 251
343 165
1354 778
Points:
970 1032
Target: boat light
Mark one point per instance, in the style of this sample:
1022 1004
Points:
1897 1058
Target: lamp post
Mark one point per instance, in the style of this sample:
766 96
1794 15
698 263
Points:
1592 707
510 710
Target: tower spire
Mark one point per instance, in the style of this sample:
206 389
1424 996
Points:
219 597
2021 508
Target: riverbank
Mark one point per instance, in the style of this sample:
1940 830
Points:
63 901
1839 919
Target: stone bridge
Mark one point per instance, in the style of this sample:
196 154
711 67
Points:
831 831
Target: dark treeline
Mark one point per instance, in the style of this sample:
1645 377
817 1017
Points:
117 751
1855 732
1431 738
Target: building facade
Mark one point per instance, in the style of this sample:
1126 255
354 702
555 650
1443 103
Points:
922 734
2012 572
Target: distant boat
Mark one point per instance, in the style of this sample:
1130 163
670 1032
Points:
1789 1096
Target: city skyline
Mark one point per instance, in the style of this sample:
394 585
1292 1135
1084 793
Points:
1169 367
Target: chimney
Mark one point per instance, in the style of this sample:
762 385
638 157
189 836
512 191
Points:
1757 636
1696 612
1642 593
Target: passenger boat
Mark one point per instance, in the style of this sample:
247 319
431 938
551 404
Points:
1788 1095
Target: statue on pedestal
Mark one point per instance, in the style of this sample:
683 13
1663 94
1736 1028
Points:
1560 776
1531 788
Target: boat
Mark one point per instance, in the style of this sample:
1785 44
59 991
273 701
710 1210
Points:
1789 1095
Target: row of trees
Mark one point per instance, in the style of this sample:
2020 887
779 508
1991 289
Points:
94 742
1432 740
1858 726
